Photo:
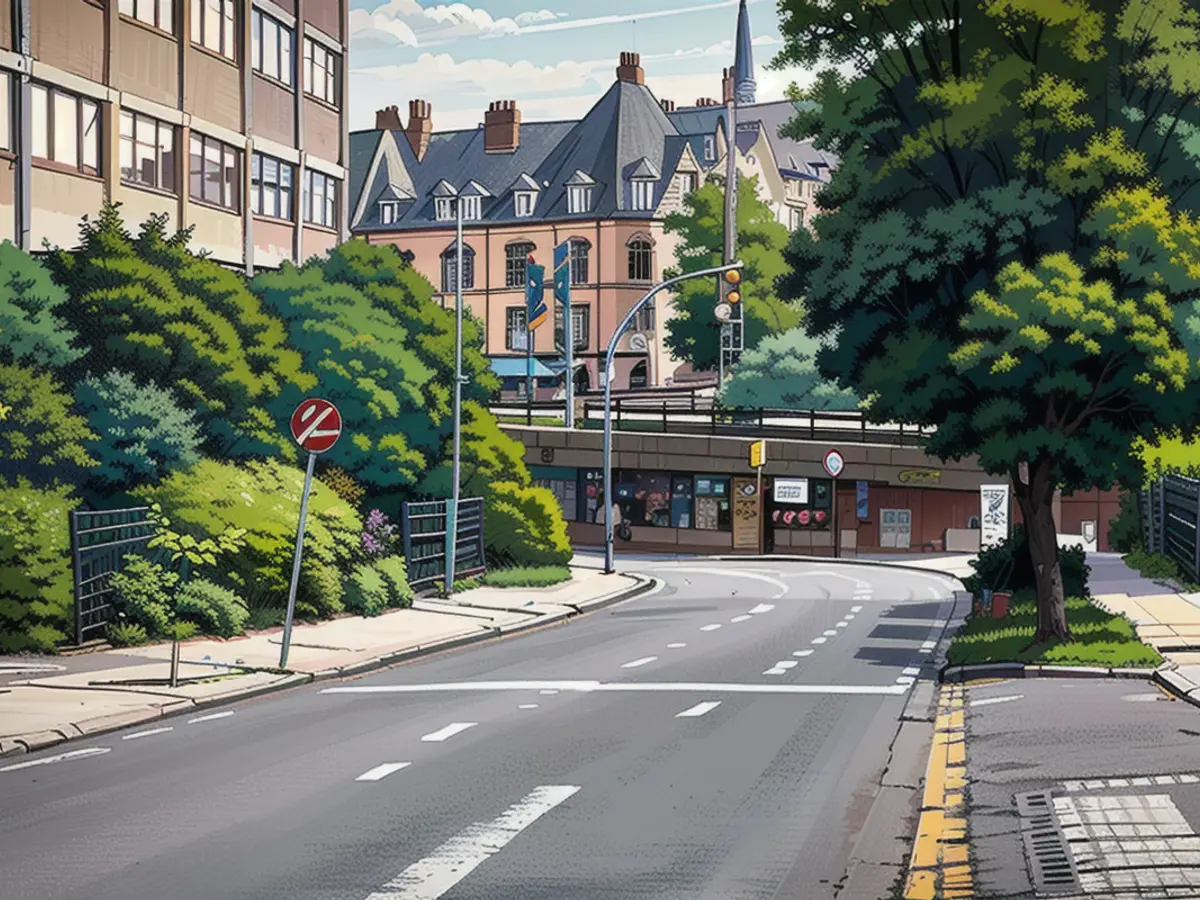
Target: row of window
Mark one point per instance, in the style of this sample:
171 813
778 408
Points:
516 260
516 326
272 43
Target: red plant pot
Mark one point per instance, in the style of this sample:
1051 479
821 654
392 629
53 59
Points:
1000 604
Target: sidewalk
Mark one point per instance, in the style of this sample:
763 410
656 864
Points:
1170 623
115 688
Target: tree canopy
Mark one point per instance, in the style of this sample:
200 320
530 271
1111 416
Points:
1010 249
31 326
693 333
781 373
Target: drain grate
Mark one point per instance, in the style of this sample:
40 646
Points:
1047 852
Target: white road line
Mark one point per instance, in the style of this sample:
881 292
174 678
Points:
737 619
698 710
527 706
803 653
819 640
436 737
62 757
676 646
380 772
739 573
762 608
928 645
639 662
664 687
905 679
856 609
433 876
142 734
988 701
830 633
842 624
848 616
211 716
911 670
712 627
786 664
775 670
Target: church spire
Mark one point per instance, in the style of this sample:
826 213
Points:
743 61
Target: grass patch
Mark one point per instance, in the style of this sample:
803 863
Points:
1100 638
1157 567
527 576
537 420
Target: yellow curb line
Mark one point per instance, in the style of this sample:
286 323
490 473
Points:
940 865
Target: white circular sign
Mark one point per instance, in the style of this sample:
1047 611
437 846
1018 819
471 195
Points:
723 312
833 463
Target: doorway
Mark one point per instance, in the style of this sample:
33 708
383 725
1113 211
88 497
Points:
638 376
583 380
895 529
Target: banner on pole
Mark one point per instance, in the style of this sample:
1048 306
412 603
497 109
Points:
535 295
993 515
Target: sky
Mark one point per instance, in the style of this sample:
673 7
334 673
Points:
554 60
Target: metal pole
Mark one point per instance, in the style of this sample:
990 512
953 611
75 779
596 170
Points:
291 607
528 370
836 551
452 510
569 340
726 355
762 526
608 362
24 180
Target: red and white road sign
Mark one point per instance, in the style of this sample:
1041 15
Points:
316 425
833 463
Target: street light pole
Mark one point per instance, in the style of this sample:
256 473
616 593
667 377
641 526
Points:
452 512
608 363
727 340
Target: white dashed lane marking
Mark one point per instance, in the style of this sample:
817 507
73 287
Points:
819 640
775 670
527 706
803 653
856 609
988 701
736 619
547 693
698 710
152 731
912 670
712 627
676 646
383 771
210 717
786 664
830 633
842 624
436 737
62 757
639 662
762 608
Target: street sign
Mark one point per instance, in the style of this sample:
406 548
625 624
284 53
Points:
833 463
791 490
723 312
758 454
316 425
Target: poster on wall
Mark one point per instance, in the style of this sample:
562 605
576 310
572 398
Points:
993 515
745 514
862 500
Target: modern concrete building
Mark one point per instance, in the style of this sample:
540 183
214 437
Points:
605 182
228 116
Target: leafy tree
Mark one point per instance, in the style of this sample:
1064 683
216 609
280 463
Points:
41 436
693 333
150 306
781 373
36 584
31 327
142 434
1009 250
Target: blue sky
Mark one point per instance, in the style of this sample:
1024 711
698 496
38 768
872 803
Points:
555 59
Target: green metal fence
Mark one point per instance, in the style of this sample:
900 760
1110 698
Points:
1170 517
423 529
100 541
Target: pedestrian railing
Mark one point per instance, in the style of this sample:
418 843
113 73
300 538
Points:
1170 510
423 529
100 541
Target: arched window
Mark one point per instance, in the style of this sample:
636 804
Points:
579 260
583 380
450 260
516 258
638 376
639 260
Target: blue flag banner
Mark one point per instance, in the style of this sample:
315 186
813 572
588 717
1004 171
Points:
562 273
862 506
534 295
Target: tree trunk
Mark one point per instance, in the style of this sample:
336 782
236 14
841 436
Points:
1036 500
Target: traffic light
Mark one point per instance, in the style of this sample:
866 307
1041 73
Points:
730 286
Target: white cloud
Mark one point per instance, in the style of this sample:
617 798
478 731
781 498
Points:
630 17
408 23
765 40
532 18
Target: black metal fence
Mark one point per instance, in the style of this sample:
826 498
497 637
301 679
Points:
423 529
100 540
1170 515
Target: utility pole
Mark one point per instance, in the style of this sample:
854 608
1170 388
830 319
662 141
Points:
452 509
731 330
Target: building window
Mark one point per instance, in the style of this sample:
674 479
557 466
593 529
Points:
637 376
516 334
5 111
643 194
147 151
153 12
793 189
644 498
579 326
516 258
795 218
216 172
645 319
472 208
320 72
687 183
713 511
639 261
271 47
66 129
710 148
389 212
523 203
579 260
443 208
320 199
271 187
579 198
212 26
450 261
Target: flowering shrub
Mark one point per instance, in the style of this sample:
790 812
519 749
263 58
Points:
379 535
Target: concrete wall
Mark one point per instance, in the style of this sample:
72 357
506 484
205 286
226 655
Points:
62 201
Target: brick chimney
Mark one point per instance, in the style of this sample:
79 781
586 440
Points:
727 85
420 127
388 119
502 127
707 101
667 105
630 69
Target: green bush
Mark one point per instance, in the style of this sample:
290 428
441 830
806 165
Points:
527 576
126 634
376 586
143 592
395 577
1125 528
1155 566
524 526
264 498
1012 557
41 436
36 595
215 609
264 618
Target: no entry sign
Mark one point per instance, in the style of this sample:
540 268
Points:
316 425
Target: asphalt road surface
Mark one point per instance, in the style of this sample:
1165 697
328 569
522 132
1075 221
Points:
721 738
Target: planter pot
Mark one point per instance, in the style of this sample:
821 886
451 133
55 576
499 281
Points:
1000 604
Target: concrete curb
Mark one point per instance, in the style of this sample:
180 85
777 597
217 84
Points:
840 560
1170 679
981 671
28 743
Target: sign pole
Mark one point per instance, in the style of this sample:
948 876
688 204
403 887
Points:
762 525
291 607
836 534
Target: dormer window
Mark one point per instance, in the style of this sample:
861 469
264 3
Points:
444 208
523 203
472 208
687 182
710 148
389 211
579 198
643 194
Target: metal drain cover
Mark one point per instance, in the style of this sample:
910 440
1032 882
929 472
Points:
1047 852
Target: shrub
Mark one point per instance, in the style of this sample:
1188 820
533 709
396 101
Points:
343 484
264 618
395 576
366 591
1012 557
379 536
36 596
527 576
126 634
524 526
264 499
41 436
217 610
143 591
1155 566
31 328
1125 528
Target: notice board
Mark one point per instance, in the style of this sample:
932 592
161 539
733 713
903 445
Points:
745 514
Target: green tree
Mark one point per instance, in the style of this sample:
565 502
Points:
1009 250
150 306
32 330
781 373
36 596
142 433
41 436
693 333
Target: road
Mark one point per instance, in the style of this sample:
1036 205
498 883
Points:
722 738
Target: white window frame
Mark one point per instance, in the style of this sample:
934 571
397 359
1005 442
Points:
687 182
283 195
710 148
579 198
516 328
389 212
330 188
84 122
267 31
324 66
6 107
643 194
228 159
472 208
155 13
443 208
225 34
524 203
164 172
